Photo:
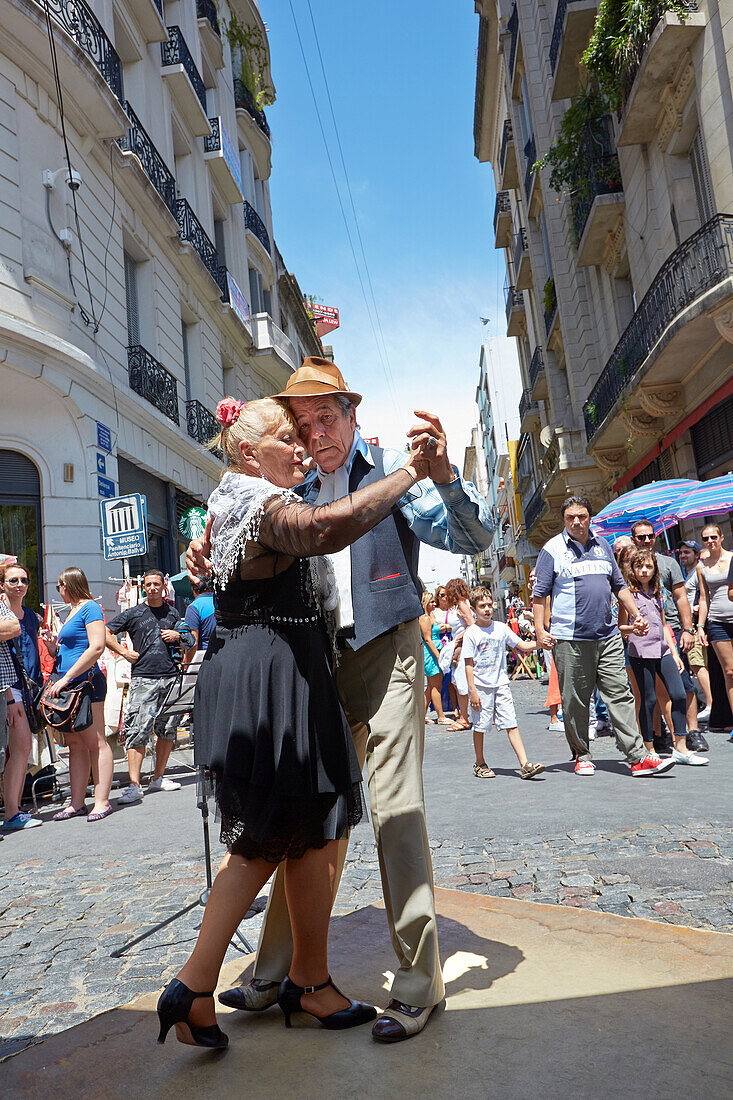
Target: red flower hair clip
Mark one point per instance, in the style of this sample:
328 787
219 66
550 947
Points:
228 410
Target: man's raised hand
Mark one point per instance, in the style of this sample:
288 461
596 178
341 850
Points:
428 440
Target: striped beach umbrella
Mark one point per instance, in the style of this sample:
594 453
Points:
653 502
707 498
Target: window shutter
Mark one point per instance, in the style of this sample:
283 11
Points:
133 315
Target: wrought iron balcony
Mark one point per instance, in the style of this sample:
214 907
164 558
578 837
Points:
700 263
152 381
191 230
201 425
598 172
176 52
636 52
513 28
551 313
138 142
536 367
503 205
507 135
533 508
530 157
80 22
551 459
526 404
557 32
525 466
521 246
254 222
514 301
206 9
244 98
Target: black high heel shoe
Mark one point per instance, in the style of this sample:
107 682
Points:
288 998
174 1006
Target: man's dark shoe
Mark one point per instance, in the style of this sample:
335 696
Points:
400 1021
696 742
256 996
663 745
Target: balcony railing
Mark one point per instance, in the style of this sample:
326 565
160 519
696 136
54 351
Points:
536 366
201 425
525 467
244 98
520 247
176 52
503 205
514 300
254 222
138 142
513 28
530 156
551 313
191 230
551 459
206 9
598 172
152 381
80 22
557 32
699 264
506 136
532 509
636 52
525 404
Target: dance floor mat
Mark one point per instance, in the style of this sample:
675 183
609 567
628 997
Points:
541 1000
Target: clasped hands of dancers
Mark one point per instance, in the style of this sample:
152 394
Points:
318 598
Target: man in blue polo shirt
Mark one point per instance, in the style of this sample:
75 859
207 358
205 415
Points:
578 572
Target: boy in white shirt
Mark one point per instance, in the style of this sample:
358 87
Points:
490 697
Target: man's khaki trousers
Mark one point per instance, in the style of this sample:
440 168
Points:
381 687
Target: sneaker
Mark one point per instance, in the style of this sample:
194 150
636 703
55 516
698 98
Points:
584 767
557 727
163 784
592 732
133 793
704 715
20 821
603 724
651 765
689 758
696 742
664 745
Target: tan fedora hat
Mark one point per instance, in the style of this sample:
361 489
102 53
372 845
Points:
317 378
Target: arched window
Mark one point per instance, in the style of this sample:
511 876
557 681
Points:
20 518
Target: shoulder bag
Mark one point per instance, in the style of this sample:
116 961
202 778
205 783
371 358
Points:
71 710
28 689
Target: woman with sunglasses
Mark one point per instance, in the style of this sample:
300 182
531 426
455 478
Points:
14 581
80 643
716 610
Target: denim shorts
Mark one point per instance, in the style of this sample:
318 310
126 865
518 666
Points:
143 719
720 631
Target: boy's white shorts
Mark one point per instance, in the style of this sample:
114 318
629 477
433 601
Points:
497 709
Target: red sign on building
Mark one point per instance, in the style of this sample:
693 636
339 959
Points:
326 318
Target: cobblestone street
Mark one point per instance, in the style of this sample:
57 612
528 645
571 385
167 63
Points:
70 894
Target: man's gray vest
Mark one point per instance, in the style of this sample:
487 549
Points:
385 586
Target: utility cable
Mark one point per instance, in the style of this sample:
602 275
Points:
341 207
351 197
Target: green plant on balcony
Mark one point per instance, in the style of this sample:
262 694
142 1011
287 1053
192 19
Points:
592 412
549 297
249 60
622 30
584 117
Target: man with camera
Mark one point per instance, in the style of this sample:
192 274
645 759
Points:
154 631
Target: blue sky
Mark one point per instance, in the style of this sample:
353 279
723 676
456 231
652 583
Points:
402 79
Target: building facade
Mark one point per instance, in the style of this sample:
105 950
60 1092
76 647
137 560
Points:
142 286
620 277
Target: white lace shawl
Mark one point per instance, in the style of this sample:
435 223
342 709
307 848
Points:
237 505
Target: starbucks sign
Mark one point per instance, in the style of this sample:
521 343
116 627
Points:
193 523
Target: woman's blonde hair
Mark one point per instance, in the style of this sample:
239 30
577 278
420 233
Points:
425 600
77 585
256 419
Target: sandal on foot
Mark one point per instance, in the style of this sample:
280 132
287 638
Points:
529 770
458 725
69 812
481 771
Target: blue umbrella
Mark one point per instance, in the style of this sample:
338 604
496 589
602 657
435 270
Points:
707 498
653 502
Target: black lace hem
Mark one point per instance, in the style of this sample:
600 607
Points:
260 824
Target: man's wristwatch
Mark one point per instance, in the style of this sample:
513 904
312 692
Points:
686 630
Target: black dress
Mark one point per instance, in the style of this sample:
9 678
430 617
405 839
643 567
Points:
269 724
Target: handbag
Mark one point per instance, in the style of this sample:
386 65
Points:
28 689
71 710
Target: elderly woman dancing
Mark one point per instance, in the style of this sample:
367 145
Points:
269 723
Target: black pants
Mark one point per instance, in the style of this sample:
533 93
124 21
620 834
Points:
646 670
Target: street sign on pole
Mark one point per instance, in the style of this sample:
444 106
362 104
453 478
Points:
124 526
